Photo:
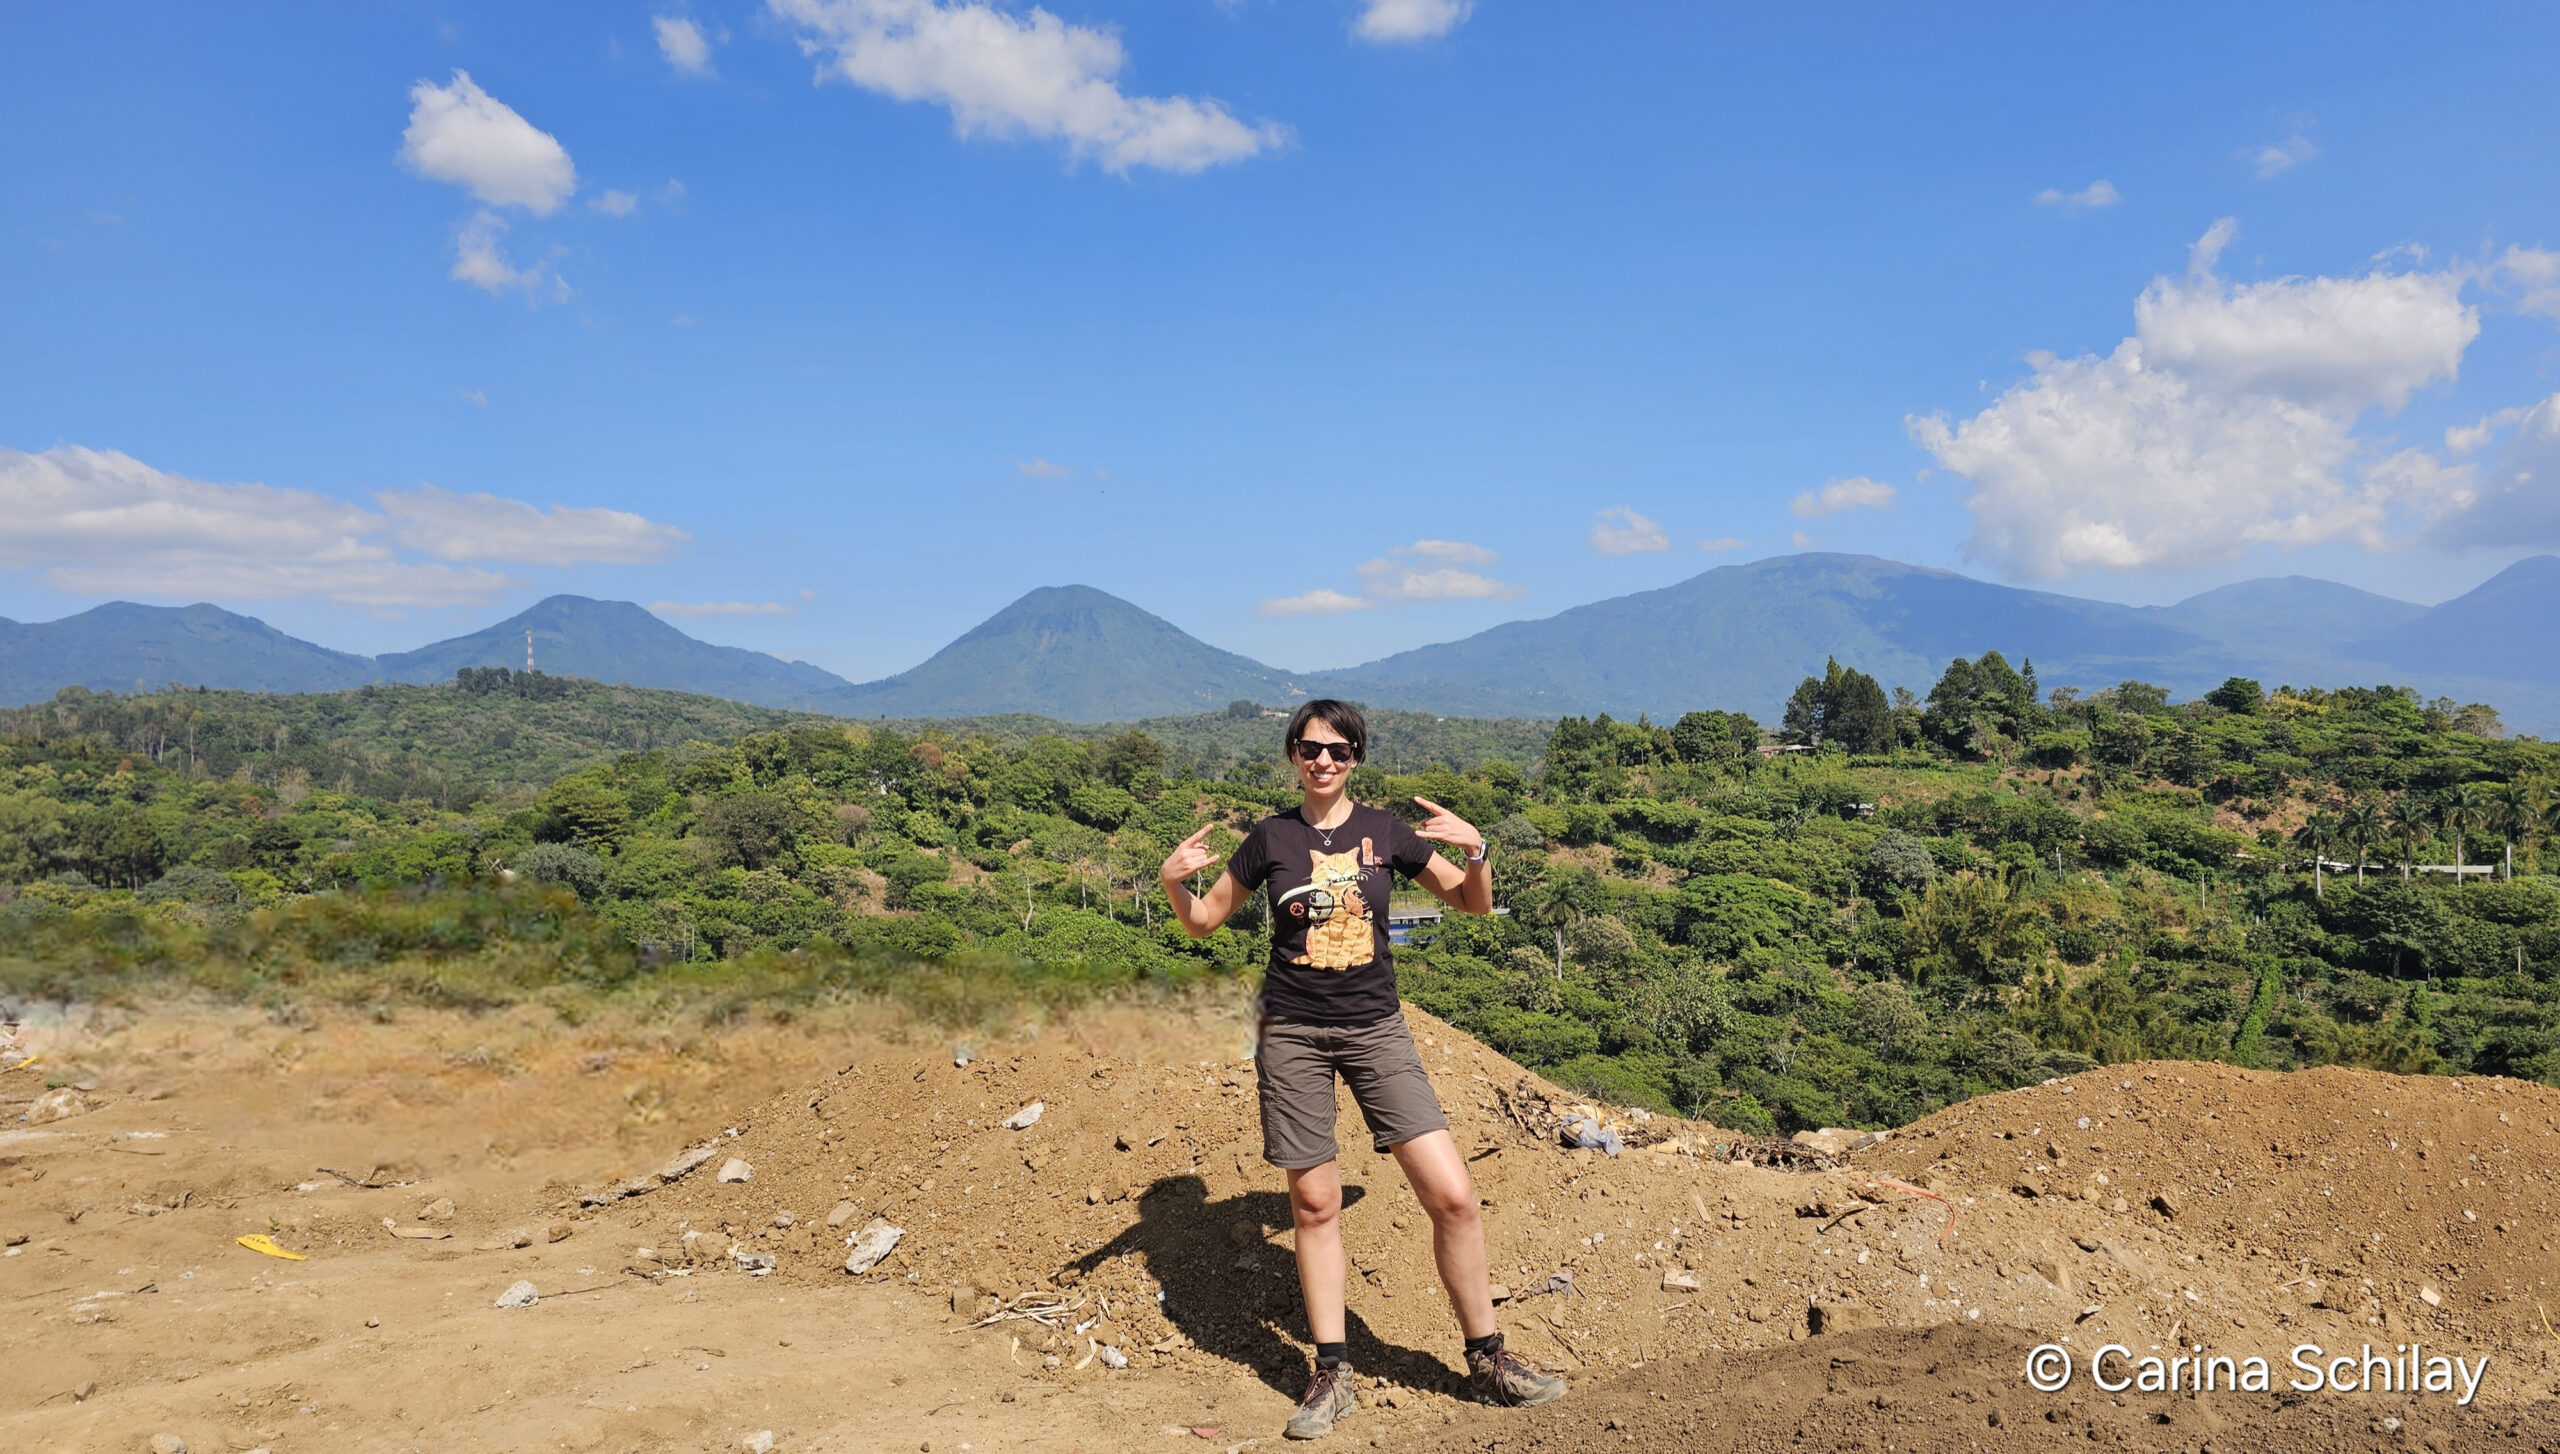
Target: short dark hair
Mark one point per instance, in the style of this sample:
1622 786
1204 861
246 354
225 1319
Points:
1341 716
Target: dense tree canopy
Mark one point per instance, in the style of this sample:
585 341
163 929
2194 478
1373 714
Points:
1941 900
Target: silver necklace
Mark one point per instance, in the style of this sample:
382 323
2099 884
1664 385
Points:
1327 833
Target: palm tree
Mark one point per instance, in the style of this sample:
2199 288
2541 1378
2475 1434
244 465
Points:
2515 810
1570 895
2461 808
2316 834
2408 820
2361 827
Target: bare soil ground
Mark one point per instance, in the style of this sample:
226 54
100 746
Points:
1711 1305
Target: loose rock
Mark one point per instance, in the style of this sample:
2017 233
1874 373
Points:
871 1245
168 1444
684 1162
520 1295
734 1169
58 1105
1027 1117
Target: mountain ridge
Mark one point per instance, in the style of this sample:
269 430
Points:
1736 637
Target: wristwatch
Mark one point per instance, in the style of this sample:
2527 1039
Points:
1478 856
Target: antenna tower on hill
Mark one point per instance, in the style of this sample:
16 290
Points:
528 648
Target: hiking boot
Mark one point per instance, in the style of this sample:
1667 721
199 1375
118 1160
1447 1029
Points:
1499 1376
1331 1396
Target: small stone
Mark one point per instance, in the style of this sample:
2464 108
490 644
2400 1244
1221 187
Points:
683 1162
784 1219
2431 1297
559 1232
1829 1141
734 1169
520 1295
1123 1142
1093 1196
439 1210
1111 1357
871 1246
759 1442
80 1395
2166 1205
844 1212
60 1105
1679 1280
2028 1186
1501 1293
373 1322
168 1444
1027 1117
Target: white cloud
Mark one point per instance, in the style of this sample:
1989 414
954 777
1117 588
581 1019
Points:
615 204
461 134
1433 570
1031 74
696 609
1722 544
1621 531
2517 502
683 44
480 259
1854 493
102 523
1394 22
2100 193
1802 541
2534 273
97 522
2280 157
2226 421
1427 570
1318 602
1041 469
489 527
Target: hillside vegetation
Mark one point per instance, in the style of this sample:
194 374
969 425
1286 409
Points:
1925 901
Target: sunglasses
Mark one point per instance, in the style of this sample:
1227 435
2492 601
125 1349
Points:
1309 751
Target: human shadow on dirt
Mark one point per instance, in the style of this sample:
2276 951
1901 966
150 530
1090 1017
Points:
1235 1295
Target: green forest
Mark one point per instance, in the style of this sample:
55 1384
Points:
1876 906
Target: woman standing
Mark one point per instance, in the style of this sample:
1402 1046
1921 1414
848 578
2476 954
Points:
1329 1008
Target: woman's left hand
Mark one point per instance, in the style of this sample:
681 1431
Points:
1447 827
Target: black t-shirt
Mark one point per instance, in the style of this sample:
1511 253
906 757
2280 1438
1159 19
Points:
1330 960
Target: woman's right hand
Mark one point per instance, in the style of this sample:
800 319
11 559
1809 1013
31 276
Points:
1188 857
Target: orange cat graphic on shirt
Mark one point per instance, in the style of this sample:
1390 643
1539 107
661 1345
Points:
1338 931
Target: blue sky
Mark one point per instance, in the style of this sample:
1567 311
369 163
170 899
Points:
1323 328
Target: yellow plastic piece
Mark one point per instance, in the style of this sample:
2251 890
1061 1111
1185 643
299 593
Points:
261 1242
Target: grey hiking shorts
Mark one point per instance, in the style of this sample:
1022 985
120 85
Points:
1295 1065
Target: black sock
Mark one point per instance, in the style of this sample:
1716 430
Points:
1489 1343
1332 1355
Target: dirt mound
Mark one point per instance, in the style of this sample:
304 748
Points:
1139 1202
2332 1200
1953 1388
2151 1205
